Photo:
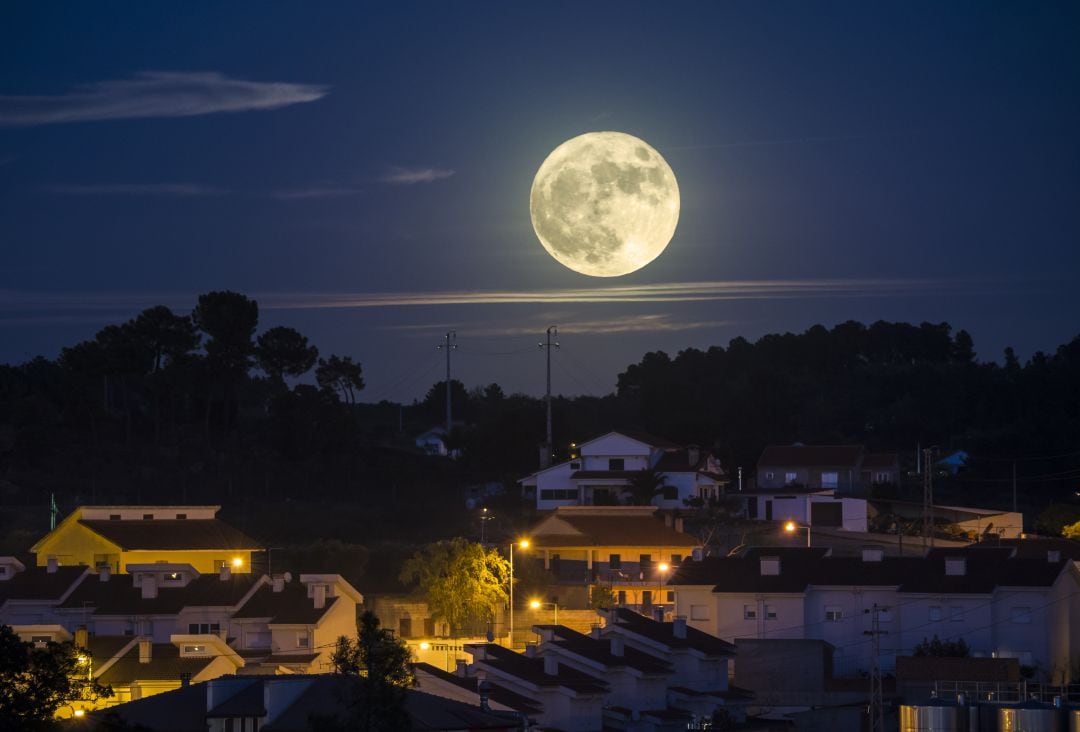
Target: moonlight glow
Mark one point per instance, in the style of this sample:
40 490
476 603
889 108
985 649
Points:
604 204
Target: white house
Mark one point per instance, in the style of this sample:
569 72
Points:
605 465
809 507
1002 605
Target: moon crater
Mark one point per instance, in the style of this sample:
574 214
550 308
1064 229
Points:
604 204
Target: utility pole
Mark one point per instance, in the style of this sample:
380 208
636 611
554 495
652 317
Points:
551 331
448 346
877 696
928 498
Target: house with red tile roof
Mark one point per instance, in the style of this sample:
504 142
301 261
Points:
602 468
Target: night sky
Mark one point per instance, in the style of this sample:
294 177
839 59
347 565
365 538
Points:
364 173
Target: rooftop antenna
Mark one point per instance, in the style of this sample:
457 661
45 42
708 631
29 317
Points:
53 511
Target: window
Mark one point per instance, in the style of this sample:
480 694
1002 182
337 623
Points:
645 561
204 628
192 650
622 597
770 612
935 613
614 561
429 627
749 612
40 641
303 640
768 476
699 612
676 559
670 596
1020 614
671 493
181 516
575 466
558 494
616 464
956 614
219 564
830 480
833 614
3 571
646 598
880 477
148 517
114 517
790 477
173 577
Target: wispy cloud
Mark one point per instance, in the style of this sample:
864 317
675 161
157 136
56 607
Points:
137 189
155 94
647 323
412 176
731 290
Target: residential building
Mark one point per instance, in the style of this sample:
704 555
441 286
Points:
118 536
844 468
633 673
285 704
632 550
604 466
974 523
1002 605
807 507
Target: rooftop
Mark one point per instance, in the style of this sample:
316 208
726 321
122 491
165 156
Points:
825 456
172 534
532 669
664 632
608 526
291 606
120 596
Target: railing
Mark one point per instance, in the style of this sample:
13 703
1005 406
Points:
1007 691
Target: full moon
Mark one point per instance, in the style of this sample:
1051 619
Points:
604 204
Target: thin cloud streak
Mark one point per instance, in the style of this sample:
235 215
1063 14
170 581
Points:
137 189
155 94
650 323
648 293
408 176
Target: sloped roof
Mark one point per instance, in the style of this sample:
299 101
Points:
665 633
600 651
649 439
985 570
496 693
880 460
248 702
172 534
532 670
291 606
38 583
824 456
165 664
119 595
606 527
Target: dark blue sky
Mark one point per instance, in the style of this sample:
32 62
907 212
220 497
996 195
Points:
910 161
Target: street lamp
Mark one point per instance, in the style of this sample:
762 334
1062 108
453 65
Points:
537 604
791 527
524 544
663 567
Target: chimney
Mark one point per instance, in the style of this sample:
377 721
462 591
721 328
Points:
279 583
149 586
693 455
185 680
955 566
658 613
51 565
319 593
225 572
104 572
618 646
698 554
146 649
530 650
679 524
462 668
82 637
770 566
551 665
678 627
483 688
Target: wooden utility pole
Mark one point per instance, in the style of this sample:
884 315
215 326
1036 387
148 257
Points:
448 347
551 331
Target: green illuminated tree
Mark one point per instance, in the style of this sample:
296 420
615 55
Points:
463 582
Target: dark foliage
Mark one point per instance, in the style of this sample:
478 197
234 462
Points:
938 648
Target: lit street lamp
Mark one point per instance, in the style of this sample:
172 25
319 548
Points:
663 567
791 527
524 544
537 604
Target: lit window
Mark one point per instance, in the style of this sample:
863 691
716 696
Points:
790 477
172 577
833 614
191 650
749 612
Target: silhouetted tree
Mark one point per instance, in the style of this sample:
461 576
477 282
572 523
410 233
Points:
282 352
339 376
645 485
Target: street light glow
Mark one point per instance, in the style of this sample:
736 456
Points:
524 543
790 527
424 645
238 562
534 604
80 712
664 567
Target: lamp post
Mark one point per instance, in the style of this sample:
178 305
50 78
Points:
524 544
791 527
663 567
537 604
